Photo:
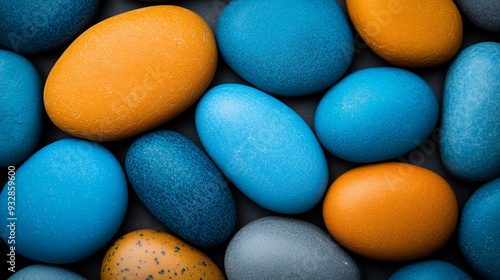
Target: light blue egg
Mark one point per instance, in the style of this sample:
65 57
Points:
430 270
35 26
182 187
70 199
21 113
376 114
45 272
284 248
286 47
470 122
264 148
483 13
479 230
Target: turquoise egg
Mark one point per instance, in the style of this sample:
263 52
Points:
69 198
376 114
430 270
263 147
21 116
470 121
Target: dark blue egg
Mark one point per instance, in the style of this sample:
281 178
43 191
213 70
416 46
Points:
483 13
36 26
430 270
181 186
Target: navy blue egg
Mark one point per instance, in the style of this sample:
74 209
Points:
430 270
181 186
266 149
483 13
69 199
376 114
36 26
45 272
479 230
21 116
286 47
470 121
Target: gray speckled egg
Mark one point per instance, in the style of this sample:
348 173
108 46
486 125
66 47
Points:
483 13
285 248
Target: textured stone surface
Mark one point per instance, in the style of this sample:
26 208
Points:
181 186
45 272
263 147
479 230
470 122
430 270
376 114
21 113
286 47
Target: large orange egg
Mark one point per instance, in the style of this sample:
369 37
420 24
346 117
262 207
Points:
131 73
152 254
409 33
391 211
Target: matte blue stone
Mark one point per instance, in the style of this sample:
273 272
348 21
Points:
483 13
45 272
470 122
284 248
479 230
21 113
430 270
182 187
286 47
70 199
376 114
35 26
264 147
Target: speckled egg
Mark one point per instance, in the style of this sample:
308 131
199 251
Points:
70 199
264 147
470 121
285 248
430 270
376 114
391 211
131 73
286 47
36 26
181 186
152 254
409 33
21 116
484 14
479 230
45 272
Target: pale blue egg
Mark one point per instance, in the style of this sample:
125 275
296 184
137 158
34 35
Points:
45 272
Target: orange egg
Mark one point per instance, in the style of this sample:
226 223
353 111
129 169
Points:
152 254
391 211
409 33
131 73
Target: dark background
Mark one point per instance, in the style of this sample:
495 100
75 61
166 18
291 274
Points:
137 217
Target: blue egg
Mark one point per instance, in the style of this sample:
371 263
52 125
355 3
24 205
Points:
286 47
263 147
376 114
182 187
430 270
68 200
483 13
45 272
21 116
479 230
470 121
36 26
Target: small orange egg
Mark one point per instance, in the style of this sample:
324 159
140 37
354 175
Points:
391 211
152 254
409 33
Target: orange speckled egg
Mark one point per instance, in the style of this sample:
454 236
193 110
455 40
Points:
409 33
152 254
131 73
391 211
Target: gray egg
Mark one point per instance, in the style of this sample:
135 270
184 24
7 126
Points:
284 248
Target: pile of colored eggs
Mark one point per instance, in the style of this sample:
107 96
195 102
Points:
135 75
